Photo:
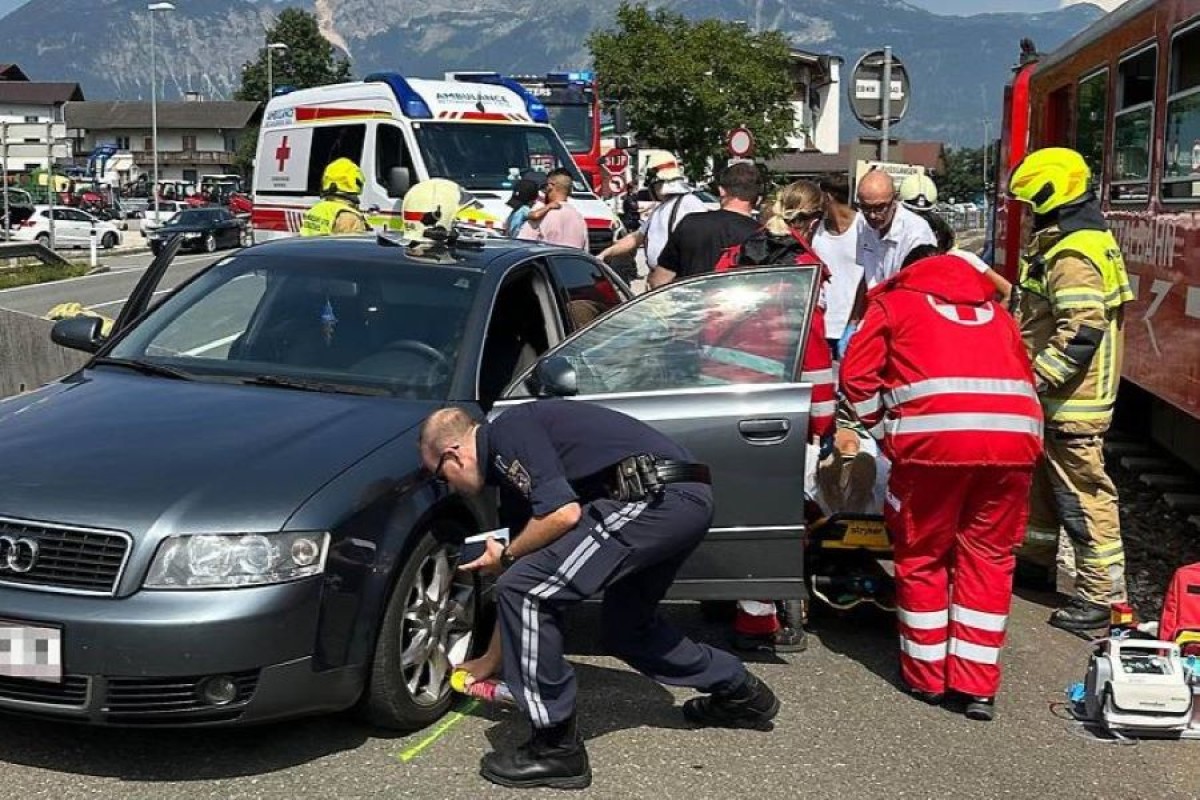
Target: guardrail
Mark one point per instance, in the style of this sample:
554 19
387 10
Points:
13 250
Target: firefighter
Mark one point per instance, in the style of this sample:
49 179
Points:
963 434
337 211
1073 289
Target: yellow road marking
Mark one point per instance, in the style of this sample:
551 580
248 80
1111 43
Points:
450 721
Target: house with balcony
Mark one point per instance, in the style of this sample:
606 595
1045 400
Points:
32 113
195 136
816 90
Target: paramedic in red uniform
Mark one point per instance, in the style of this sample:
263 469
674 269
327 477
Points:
938 369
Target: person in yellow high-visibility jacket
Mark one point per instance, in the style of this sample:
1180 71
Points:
337 211
1073 289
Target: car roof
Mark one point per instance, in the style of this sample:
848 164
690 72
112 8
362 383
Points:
495 252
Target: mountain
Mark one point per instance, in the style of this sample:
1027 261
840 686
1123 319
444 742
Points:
958 65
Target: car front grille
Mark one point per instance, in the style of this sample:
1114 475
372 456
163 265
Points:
71 692
68 559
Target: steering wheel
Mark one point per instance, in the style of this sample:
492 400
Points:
420 348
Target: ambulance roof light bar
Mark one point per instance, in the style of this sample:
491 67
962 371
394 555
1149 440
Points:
413 105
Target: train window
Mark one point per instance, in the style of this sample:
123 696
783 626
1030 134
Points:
1133 124
1181 170
1091 101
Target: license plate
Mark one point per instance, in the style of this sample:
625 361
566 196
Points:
866 533
29 651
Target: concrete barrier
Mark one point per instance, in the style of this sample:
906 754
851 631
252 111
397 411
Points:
28 358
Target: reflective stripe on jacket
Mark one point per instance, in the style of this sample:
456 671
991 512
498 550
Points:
1073 288
938 371
322 218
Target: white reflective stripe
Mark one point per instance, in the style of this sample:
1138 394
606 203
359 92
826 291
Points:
978 653
868 406
1036 535
817 376
923 652
922 620
935 386
824 409
940 423
983 620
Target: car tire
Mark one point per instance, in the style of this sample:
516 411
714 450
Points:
43 239
429 623
108 241
210 243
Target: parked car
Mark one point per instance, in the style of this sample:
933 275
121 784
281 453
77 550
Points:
207 229
72 228
20 208
222 517
152 219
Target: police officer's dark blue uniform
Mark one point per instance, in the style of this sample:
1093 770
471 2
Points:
549 453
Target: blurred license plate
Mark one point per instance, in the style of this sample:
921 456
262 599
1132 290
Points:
28 651
865 533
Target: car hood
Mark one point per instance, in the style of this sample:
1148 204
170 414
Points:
151 455
199 228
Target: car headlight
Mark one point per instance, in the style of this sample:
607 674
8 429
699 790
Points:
225 561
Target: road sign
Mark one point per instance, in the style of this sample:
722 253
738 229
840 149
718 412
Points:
740 142
615 161
616 184
866 90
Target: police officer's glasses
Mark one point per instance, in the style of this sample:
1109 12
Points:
438 475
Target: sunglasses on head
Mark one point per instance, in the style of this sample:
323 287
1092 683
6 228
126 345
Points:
803 216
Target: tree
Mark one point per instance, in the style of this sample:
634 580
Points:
684 84
964 177
310 60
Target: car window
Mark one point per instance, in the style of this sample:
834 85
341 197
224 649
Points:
379 325
589 292
742 326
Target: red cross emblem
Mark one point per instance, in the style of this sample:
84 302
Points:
282 153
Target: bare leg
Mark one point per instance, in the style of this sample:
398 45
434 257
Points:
487 664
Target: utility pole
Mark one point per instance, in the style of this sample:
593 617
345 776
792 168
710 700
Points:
4 169
887 102
50 177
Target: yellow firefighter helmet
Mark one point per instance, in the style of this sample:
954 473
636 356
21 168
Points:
1050 178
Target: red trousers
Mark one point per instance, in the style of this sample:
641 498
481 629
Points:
955 530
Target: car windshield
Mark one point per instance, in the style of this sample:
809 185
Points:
373 326
492 157
195 217
574 124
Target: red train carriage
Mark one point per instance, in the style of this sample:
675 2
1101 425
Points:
1126 94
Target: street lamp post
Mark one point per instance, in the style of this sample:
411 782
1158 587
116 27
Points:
153 7
272 47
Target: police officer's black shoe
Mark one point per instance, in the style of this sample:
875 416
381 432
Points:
751 705
1081 615
553 757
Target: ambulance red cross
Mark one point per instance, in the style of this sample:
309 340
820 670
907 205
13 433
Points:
482 136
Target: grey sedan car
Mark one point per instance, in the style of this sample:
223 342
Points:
221 518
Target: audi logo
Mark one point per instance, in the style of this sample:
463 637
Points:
17 555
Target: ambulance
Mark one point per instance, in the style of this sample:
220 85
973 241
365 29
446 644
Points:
482 135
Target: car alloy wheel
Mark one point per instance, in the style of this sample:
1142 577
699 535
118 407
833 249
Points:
428 625
43 239
438 616
210 243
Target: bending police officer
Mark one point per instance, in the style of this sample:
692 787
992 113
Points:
1073 288
603 503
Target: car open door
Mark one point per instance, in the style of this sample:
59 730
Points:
665 358
143 291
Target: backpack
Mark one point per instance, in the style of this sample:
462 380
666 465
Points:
764 249
1181 608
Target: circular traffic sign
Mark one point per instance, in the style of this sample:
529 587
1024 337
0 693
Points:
740 142
616 184
866 90
615 161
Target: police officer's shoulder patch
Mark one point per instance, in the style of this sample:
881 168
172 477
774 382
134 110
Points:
516 474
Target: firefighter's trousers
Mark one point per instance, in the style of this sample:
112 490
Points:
955 530
1073 493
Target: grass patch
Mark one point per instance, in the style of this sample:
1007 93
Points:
29 274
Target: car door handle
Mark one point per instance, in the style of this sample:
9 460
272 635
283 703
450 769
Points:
764 431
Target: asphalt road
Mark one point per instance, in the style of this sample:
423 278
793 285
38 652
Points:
844 732
105 292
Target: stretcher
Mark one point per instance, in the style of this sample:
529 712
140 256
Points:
843 556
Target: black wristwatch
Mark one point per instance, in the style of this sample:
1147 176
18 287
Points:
507 559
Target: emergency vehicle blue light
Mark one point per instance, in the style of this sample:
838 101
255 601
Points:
411 103
283 89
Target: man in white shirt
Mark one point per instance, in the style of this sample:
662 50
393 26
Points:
891 231
836 242
676 201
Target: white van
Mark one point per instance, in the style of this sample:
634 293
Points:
482 136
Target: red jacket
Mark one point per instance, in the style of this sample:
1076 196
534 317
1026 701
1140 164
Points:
755 335
938 367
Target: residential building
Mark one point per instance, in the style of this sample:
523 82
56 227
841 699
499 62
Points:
793 166
195 136
28 106
816 81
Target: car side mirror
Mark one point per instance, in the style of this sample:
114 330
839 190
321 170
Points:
399 180
78 333
553 377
